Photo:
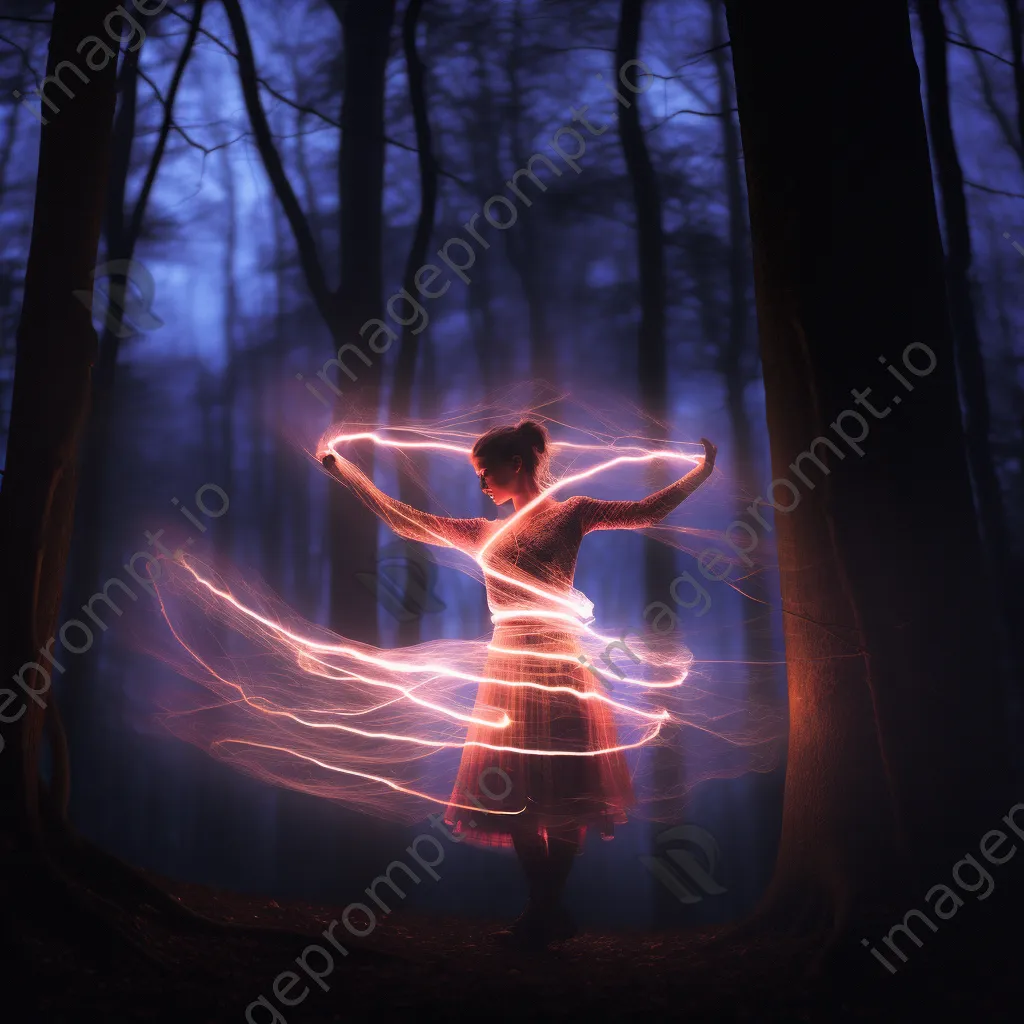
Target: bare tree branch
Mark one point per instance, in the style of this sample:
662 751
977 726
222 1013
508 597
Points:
24 57
294 104
276 93
977 49
305 241
686 110
987 88
993 191
139 212
174 126
696 58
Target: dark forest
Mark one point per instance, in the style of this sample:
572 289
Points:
331 332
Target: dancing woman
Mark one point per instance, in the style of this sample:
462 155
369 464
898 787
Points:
559 753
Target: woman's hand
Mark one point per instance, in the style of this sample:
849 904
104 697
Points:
332 464
710 451
326 457
341 469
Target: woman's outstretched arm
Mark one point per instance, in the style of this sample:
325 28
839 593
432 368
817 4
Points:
635 515
406 521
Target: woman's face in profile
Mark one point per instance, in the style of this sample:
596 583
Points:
499 481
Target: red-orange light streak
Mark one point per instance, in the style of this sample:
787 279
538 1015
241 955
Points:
314 689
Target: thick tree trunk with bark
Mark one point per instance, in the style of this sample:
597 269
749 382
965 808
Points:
897 756
49 873
734 361
765 791
652 358
56 348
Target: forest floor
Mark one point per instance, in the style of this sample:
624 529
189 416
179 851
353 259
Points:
433 968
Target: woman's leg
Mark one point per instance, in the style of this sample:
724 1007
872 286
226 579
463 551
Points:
546 864
563 845
533 854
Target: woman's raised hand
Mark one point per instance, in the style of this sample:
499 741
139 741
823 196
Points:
336 466
710 451
341 469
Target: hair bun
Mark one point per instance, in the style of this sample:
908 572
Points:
533 434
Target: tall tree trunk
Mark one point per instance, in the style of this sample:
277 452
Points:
652 356
961 288
56 348
366 27
409 628
734 353
897 756
764 812
45 862
523 246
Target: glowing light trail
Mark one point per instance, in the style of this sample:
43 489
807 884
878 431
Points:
296 700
